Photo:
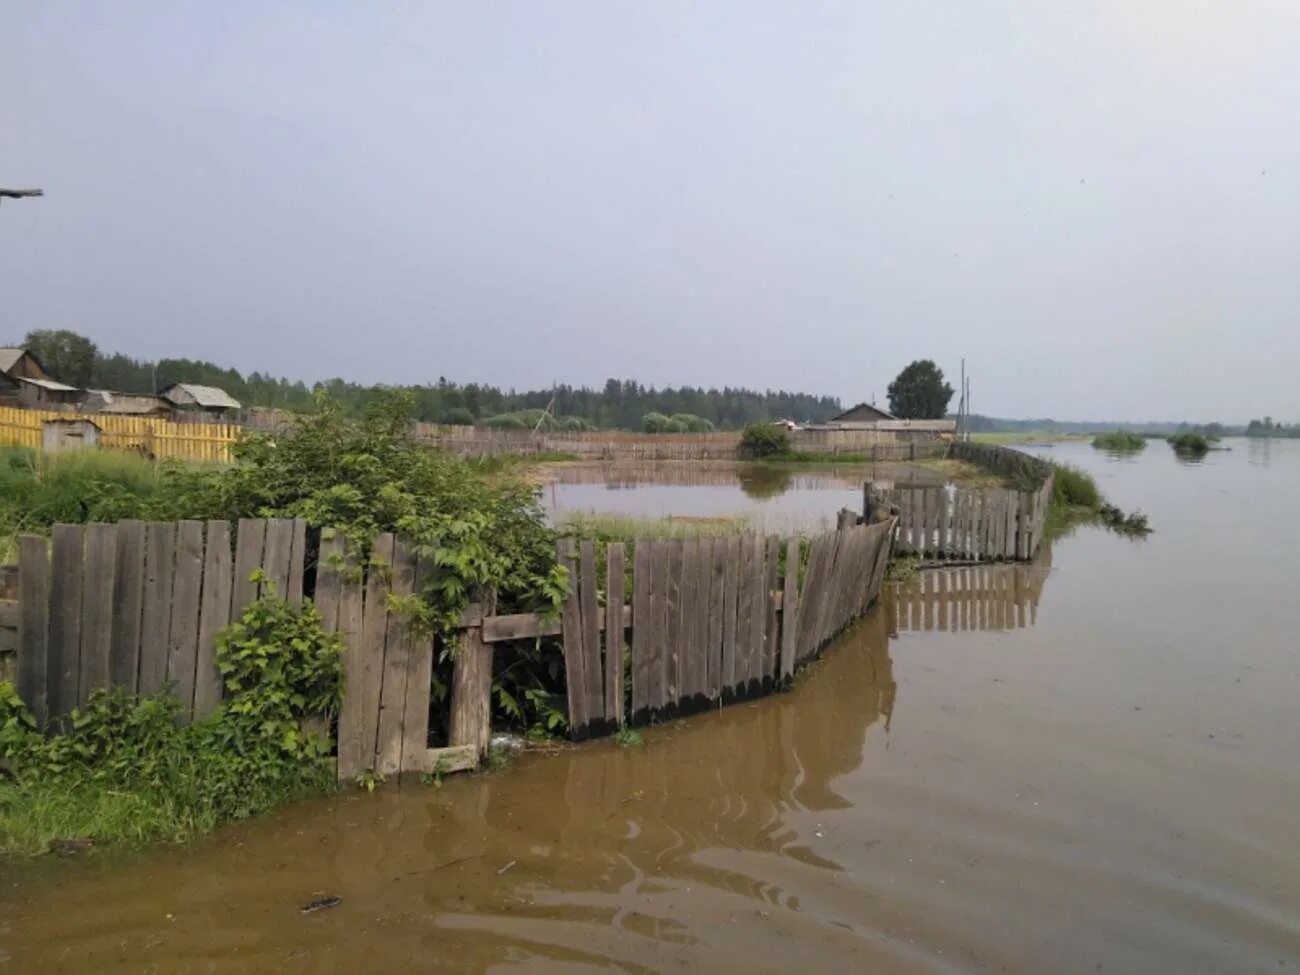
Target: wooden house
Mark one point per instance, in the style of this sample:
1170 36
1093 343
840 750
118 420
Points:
862 413
210 400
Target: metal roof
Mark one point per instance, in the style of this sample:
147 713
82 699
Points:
209 397
9 358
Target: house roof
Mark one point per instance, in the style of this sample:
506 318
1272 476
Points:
49 384
9 358
209 397
109 401
883 414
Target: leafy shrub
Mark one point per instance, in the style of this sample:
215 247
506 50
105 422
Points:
690 423
764 440
1074 488
1119 442
506 421
458 416
655 423
1190 444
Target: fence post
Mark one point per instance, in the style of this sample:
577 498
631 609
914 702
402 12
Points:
471 682
33 624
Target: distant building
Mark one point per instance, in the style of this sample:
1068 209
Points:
206 399
862 413
21 364
46 394
58 436
113 403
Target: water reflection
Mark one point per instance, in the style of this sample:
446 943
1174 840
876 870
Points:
976 597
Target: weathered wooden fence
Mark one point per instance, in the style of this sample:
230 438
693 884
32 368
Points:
972 597
989 524
712 620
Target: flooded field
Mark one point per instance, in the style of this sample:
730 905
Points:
1088 764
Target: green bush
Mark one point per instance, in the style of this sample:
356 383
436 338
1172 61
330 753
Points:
764 440
691 423
1190 444
458 416
127 769
506 421
655 423
1119 442
1074 488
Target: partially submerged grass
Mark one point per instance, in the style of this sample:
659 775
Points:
962 473
585 524
1076 499
1190 444
1119 442
1026 436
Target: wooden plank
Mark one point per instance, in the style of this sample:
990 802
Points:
100 563
917 497
440 761
250 539
297 561
729 669
615 583
398 641
566 555
329 563
275 557
807 594
659 630
673 625
592 615
360 738
471 686
771 635
33 625
183 629
156 605
713 664
789 609
66 573
419 684
350 620
214 615
745 597
758 614
642 653
689 610
128 602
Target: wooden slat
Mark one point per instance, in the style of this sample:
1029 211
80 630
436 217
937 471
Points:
156 605
745 599
574 679
713 650
328 581
807 596
64 671
183 629
419 685
944 514
297 561
363 676
96 609
673 625
659 630
771 635
33 625
593 679
396 668
789 609
729 672
350 619
642 652
457 758
214 616
128 601
471 685
275 557
615 582
250 539
690 655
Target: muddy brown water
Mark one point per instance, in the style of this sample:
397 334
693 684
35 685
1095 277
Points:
1092 764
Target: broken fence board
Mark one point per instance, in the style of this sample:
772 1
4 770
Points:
396 666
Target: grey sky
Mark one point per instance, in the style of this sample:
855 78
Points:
1098 204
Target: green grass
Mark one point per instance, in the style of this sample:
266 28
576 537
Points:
1026 436
1076 499
1119 442
621 527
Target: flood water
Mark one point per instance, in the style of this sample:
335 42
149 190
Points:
1089 764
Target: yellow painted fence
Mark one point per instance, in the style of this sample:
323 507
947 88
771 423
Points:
159 438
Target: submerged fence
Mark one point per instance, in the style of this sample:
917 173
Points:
972 597
139 605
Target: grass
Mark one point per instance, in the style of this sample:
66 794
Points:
1190 444
1076 498
1026 436
619 527
1119 442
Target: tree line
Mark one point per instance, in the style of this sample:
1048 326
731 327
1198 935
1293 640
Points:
620 403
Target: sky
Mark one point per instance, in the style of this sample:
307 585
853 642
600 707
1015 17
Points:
1096 204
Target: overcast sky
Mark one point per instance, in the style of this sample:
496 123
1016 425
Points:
1097 204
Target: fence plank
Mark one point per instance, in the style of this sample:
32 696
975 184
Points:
275 558
214 615
128 600
96 609
350 619
395 670
673 626
789 608
64 668
183 629
615 583
297 561
713 651
745 599
943 522
574 679
771 635
328 580
419 684
33 625
659 630
729 670
357 740
249 541
642 655
156 605
807 599
593 679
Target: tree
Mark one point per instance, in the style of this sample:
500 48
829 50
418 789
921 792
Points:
67 356
764 440
919 392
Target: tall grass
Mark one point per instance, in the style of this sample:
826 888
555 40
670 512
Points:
1190 444
604 527
1119 442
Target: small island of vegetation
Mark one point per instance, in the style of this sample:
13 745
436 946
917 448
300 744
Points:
1119 442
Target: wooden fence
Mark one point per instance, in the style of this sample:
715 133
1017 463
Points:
970 525
150 435
973 597
712 620
138 605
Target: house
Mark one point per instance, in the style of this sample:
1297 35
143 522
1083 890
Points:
214 402
125 404
46 394
862 413
21 364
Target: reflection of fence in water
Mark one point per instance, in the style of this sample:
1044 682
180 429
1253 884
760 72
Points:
976 597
